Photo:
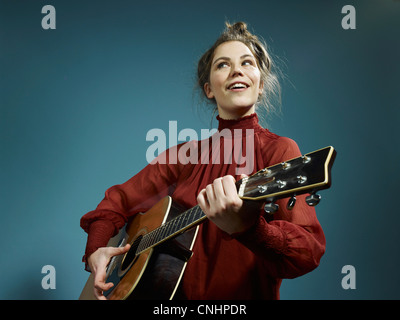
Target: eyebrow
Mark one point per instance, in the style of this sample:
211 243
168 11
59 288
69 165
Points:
227 58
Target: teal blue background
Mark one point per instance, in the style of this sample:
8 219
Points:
76 104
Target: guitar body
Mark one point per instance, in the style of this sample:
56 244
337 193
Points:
156 273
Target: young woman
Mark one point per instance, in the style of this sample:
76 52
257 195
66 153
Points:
240 252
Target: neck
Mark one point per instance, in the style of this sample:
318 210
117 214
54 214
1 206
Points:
235 114
246 122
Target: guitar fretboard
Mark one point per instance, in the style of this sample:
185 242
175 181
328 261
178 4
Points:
171 228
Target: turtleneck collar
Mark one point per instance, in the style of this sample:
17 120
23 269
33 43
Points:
246 122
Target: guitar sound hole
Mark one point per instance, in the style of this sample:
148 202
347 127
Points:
130 256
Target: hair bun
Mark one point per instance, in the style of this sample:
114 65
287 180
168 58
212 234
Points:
239 27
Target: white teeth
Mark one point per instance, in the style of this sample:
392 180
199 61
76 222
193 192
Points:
238 86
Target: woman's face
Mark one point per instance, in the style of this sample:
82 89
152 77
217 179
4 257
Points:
234 80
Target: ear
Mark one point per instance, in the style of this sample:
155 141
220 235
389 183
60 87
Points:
261 88
208 91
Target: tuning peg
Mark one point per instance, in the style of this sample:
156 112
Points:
271 207
291 203
306 159
313 199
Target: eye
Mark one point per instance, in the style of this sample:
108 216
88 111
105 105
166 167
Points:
222 65
248 63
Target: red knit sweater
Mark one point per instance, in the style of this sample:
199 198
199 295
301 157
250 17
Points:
244 266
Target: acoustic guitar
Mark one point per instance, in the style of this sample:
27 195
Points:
162 238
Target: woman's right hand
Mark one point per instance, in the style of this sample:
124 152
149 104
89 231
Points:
98 262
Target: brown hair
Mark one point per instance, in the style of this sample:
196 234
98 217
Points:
239 32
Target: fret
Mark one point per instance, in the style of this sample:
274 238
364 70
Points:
151 236
162 231
185 218
175 224
180 220
198 214
191 217
167 227
157 235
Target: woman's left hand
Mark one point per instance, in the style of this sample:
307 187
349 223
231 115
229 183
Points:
221 204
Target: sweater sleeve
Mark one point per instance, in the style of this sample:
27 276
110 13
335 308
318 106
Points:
121 202
292 242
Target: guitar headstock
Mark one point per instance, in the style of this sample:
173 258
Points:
306 174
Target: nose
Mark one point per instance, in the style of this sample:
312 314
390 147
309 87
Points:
236 70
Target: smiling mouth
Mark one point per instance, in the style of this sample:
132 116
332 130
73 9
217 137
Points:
238 86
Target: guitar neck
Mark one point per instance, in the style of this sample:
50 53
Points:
308 173
171 228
